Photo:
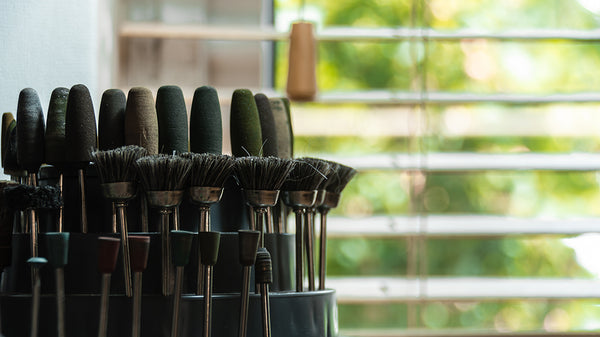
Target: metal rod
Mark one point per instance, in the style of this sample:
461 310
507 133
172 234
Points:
269 222
323 251
177 301
60 301
204 227
114 219
122 215
84 223
266 309
208 284
176 218
61 208
244 299
35 304
136 318
103 321
144 212
309 244
299 248
166 251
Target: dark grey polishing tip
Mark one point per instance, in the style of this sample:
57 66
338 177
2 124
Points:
206 126
267 126
30 131
111 120
55 127
80 126
172 120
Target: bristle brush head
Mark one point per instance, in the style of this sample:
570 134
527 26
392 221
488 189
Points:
304 177
322 166
30 131
262 173
340 177
163 172
21 197
209 170
118 165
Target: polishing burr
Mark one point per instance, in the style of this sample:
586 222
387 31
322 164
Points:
80 135
246 136
108 250
111 120
206 130
264 277
302 80
57 244
182 245
164 178
120 193
140 247
35 263
141 128
209 243
56 145
247 247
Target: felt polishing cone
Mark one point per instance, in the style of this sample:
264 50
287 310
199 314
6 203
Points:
7 120
267 126
11 165
206 128
283 130
172 120
246 136
30 131
141 122
111 120
302 81
55 128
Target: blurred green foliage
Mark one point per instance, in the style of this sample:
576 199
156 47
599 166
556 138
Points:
474 66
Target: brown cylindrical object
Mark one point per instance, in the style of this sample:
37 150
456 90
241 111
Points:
302 79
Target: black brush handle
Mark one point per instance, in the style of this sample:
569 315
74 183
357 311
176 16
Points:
172 120
267 126
141 122
246 136
111 120
80 127
30 131
55 128
206 126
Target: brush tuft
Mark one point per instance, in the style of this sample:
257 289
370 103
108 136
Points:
208 169
324 167
20 197
340 177
307 175
117 165
163 172
262 173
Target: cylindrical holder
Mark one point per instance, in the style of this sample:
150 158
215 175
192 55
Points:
57 245
108 250
302 80
209 244
247 247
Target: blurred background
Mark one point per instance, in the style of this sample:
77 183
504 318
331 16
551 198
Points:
474 124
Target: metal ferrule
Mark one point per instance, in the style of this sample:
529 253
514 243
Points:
261 198
164 199
205 195
119 191
300 199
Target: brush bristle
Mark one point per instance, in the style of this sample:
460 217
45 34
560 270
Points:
340 177
324 167
163 172
21 197
117 165
208 169
262 173
305 176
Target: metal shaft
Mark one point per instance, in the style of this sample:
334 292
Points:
323 251
206 332
84 223
266 309
60 301
177 301
61 208
269 220
35 304
122 215
310 243
144 213
166 251
136 318
114 219
176 218
244 299
299 248
204 227
103 320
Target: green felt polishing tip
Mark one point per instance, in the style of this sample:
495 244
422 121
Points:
209 247
57 248
172 120
181 243
206 130
246 135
